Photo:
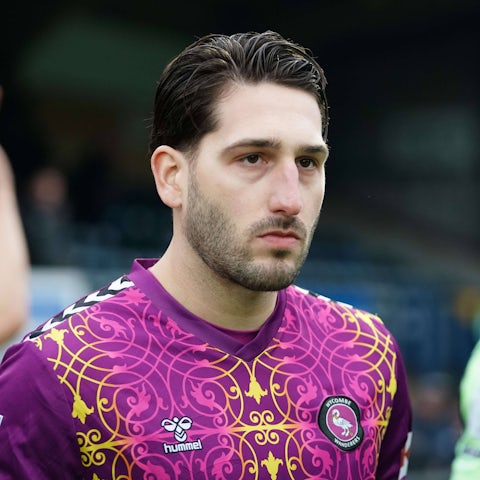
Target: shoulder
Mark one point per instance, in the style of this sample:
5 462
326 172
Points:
470 388
27 381
319 308
33 406
81 306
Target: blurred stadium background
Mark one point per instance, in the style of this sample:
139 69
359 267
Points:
399 233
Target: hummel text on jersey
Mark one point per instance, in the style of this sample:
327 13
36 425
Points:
182 447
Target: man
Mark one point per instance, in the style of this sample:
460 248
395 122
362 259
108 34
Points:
13 255
208 363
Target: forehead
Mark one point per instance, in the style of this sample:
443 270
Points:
267 110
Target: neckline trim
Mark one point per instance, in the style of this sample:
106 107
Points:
141 276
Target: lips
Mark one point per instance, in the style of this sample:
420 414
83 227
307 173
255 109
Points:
281 238
281 233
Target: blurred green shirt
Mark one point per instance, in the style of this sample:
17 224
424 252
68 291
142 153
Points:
466 465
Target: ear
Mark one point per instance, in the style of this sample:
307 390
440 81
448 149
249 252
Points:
167 167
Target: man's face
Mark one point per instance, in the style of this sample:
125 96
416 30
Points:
256 186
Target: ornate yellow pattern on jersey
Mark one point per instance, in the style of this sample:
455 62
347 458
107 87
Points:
127 368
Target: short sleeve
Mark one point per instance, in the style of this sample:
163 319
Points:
37 437
394 453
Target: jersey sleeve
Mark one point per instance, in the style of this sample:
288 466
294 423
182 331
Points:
395 450
36 430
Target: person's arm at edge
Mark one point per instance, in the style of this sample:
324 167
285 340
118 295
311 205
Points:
14 273
466 462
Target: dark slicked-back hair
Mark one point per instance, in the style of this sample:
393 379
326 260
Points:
193 82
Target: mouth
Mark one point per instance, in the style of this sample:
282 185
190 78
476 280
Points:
281 238
282 233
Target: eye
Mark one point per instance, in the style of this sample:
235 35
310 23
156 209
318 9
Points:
251 159
307 163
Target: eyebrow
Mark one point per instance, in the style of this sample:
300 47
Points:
275 145
315 149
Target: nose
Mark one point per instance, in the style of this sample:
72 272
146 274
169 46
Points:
285 196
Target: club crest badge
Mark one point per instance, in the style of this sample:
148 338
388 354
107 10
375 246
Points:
339 420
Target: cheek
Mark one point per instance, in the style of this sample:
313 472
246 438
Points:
239 203
313 198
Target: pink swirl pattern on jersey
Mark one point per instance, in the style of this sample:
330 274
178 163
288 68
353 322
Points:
152 401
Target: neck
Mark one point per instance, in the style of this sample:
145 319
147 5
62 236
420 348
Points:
209 296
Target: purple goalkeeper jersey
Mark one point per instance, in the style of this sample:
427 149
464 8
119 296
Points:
128 384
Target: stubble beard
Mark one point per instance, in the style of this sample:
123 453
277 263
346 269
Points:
214 238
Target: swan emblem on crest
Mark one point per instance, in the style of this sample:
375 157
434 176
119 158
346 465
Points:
343 423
